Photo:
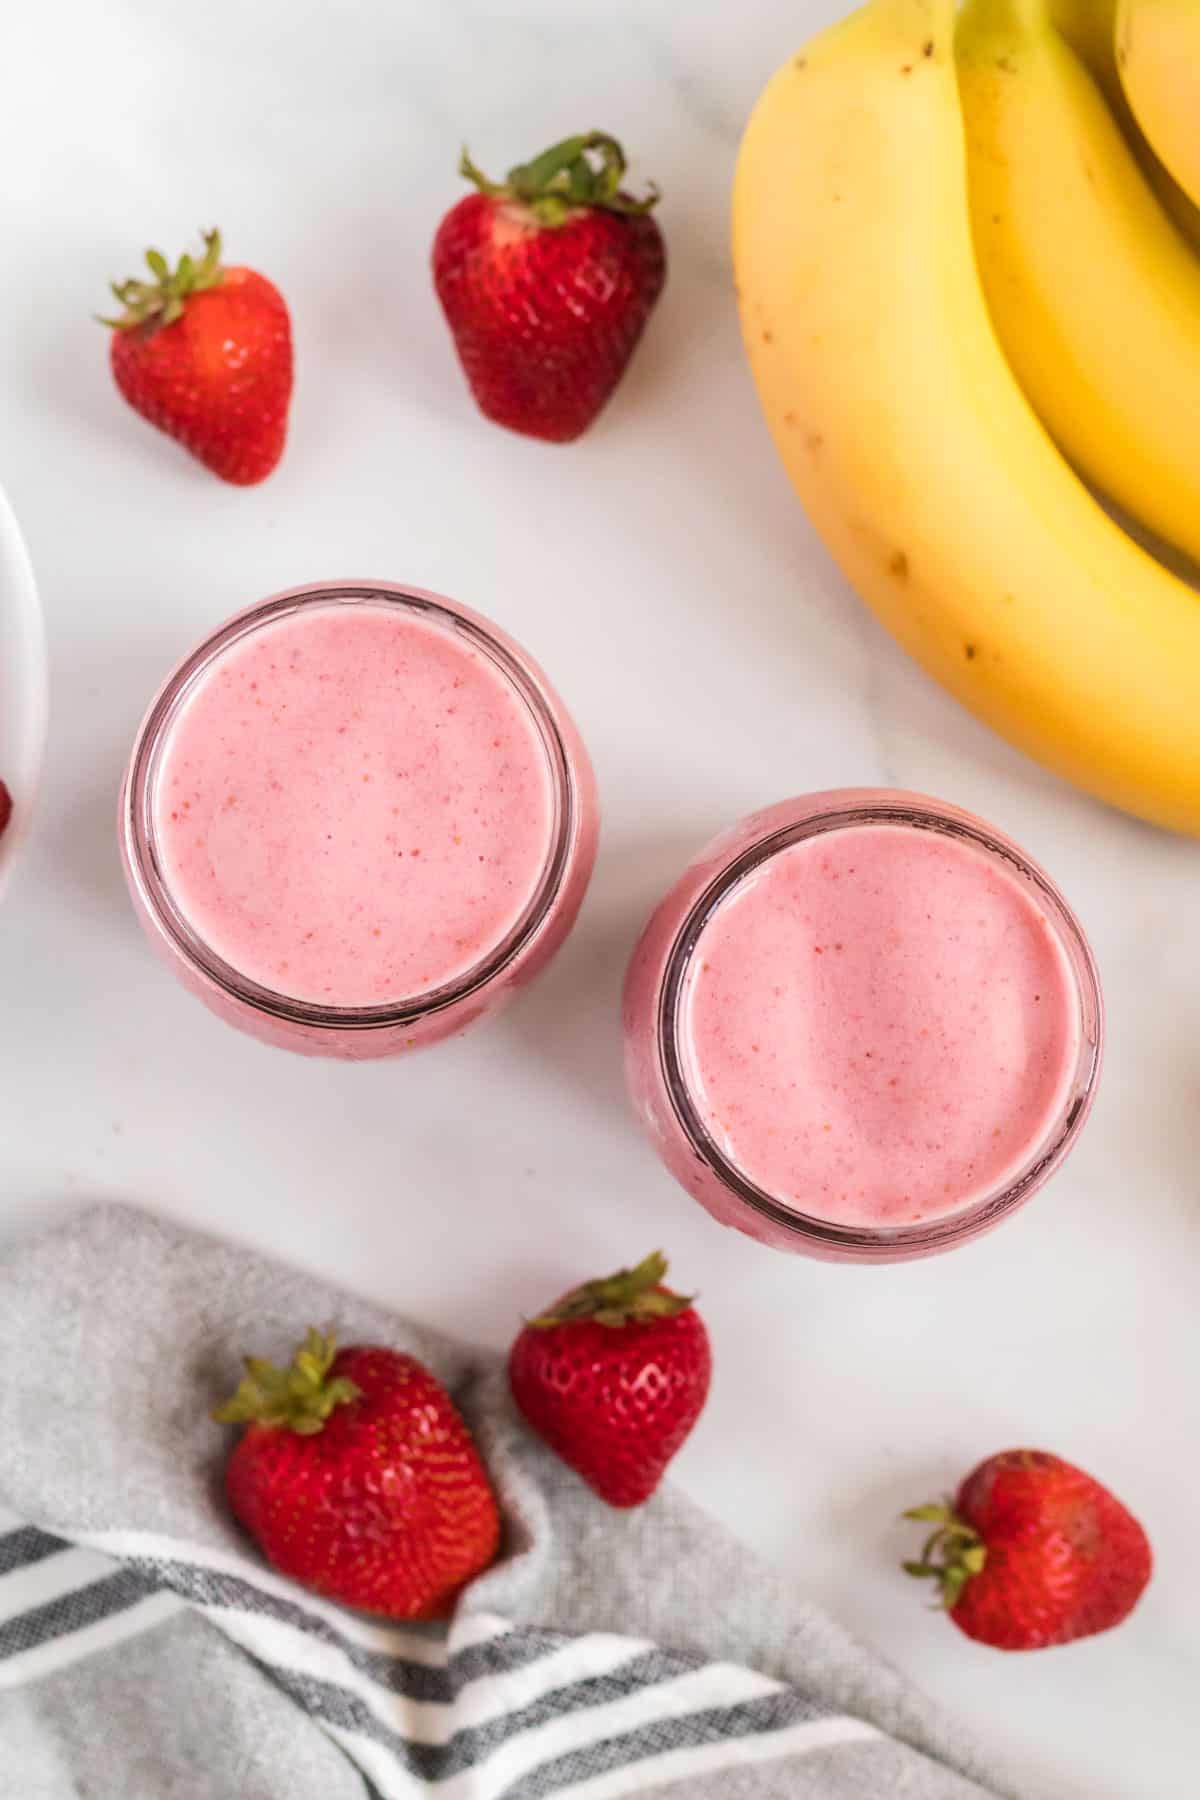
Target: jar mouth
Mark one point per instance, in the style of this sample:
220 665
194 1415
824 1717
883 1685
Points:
885 1242
141 838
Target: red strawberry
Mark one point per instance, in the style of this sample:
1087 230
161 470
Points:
5 808
1033 1553
358 1477
614 1377
206 355
546 281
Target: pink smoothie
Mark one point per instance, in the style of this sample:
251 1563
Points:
879 1025
354 805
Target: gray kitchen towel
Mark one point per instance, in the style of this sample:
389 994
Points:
148 1653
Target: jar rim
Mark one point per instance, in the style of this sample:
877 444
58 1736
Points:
140 835
885 1243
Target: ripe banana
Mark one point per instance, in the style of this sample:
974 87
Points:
1089 26
1094 295
1158 56
904 430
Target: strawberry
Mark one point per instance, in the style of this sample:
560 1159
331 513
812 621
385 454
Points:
358 1478
614 1376
547 280
1033 1552
206 355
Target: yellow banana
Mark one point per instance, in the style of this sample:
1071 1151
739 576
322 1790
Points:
1095 296
1089 26
909 440
1158 56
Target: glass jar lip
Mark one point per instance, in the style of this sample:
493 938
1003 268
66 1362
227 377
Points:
884 1243
140 836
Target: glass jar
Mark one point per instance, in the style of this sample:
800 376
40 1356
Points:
864 1026
290 777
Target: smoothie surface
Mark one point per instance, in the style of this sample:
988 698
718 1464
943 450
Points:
879 1025
354 805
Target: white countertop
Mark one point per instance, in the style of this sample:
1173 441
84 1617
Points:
715 661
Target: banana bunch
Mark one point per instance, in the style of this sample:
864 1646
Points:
960 293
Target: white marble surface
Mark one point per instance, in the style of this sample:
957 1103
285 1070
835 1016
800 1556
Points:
716 661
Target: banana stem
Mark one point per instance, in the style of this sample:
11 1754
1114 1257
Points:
924 20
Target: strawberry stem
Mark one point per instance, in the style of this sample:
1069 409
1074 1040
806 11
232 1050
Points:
154 304
300 1397
621 1299
583 171
952 1553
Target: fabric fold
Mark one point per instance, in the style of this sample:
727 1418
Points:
148 1653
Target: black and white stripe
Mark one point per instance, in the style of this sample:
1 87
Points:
492 1712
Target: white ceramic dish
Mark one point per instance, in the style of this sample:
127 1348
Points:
23 686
